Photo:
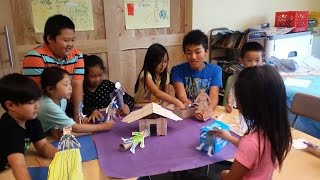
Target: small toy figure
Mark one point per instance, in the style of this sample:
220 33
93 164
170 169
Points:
118 93
80 110
138 137
203 101
208 142
68 141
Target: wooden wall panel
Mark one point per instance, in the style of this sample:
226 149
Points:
122 50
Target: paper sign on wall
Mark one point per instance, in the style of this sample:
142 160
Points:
143 14
79 11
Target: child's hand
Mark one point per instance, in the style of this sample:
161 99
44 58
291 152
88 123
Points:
229 108
95 116
223 134
125 110
107 125
204 115
180 105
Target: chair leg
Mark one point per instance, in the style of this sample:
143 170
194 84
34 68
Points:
294 121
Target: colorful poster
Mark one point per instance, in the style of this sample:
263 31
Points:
79 11
143 14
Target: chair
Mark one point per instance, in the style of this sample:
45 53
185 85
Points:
305 105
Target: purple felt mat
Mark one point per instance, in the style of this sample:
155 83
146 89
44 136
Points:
174 152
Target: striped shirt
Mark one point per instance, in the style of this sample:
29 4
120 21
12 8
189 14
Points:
41 57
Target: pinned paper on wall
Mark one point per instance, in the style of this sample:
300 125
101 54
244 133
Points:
143 14
79 11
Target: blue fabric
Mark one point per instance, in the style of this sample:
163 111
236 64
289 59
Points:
88 150
38 173
193 81
304 124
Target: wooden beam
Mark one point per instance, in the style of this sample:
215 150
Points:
85 46
128 43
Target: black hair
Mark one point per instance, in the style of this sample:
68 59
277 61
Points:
51 76
261 98
153 58
92 61
195 37
55 24
19 89
251 46
89 62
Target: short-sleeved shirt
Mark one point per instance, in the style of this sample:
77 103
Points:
42 57
194 81
248 155
16 139
143 94
100 98
52 114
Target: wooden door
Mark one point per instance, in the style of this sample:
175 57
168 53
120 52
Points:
8 61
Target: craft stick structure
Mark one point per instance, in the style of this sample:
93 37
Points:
203 101
188 111
152 117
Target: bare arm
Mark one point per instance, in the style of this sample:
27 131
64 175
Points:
237 172
18 165
77 97
45 148
153 88
181 92
89 128
214 97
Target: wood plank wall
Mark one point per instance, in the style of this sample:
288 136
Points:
122 50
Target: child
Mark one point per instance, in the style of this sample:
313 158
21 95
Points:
152 84
19 96
58 50
261 98
97 90
196 74
250 55
56 86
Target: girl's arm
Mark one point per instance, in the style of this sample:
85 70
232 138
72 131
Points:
153 88
227 136
181 92
237 172
18 165
89 128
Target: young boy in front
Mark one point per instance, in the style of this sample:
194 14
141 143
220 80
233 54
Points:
196 74
250 55
19 96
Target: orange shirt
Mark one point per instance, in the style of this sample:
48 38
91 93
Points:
41 57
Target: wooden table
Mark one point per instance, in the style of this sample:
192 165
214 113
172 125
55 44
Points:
298 164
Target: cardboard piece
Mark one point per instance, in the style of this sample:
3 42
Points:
208 141
152 117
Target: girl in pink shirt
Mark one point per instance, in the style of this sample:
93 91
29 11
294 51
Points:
261 98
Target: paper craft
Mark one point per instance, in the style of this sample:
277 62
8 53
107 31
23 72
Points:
132 143
203 101
152 117
88 149
299 144
209 141
66 163
297 82
187 112
80 110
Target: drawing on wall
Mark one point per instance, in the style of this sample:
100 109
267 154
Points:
143 14
79 11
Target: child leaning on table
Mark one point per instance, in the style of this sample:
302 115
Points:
19 96
261 99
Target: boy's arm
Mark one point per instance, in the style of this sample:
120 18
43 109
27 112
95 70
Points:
180 92
214 97
45 148
18 165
